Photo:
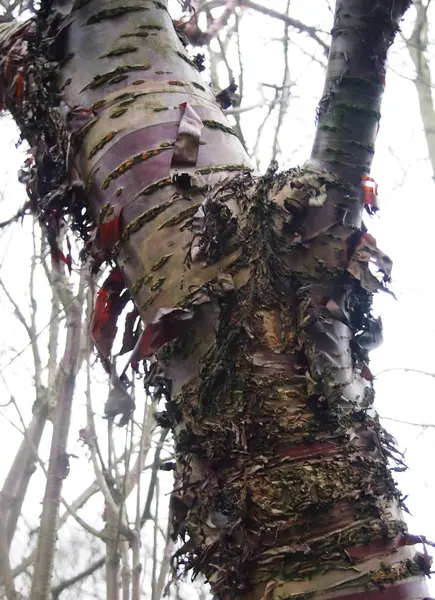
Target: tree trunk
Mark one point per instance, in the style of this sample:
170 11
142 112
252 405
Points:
255 291
417 45
58 466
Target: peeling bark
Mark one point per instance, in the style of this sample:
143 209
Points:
255 292
283 479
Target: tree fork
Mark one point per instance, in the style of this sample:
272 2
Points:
263 323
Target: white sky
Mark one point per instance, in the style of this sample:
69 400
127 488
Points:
404 230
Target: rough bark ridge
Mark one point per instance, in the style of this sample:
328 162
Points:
255 291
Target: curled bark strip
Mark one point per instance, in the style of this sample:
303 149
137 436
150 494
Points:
111 300
110 229
168 324
13 61
370 198
119 401
366 253
131 331
283 396
188 136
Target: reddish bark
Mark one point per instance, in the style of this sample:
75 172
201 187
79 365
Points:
264 282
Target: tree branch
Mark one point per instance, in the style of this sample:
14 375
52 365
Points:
349 110
154 475
417 45
201 38
164 565
6 578
18 215
22 468
422 425
286 87
67 583
405 370
58 462
312 32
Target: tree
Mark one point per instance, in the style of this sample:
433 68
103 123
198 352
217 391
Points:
255 293
124 467
417 44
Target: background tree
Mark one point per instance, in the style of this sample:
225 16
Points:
257 314
131 468
417 44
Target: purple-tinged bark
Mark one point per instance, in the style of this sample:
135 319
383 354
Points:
255 292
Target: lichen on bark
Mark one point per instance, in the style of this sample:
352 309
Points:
283 467
255 291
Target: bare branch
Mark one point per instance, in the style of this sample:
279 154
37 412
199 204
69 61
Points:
405 370
137 568
198 37
417 46
112 554
67 583
154 476
5 568
164 565
286 87
18 312
58 463
155 530
126 571
17 216
92 445
53 338
73 508
133 477
312 32
237 127
422 425
201 38
21 470
17 355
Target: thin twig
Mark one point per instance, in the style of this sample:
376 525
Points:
18 215
285 94
422 425
312 32
154 476
405 370
67 583
40 332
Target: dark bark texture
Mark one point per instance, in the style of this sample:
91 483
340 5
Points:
255 292
349 111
